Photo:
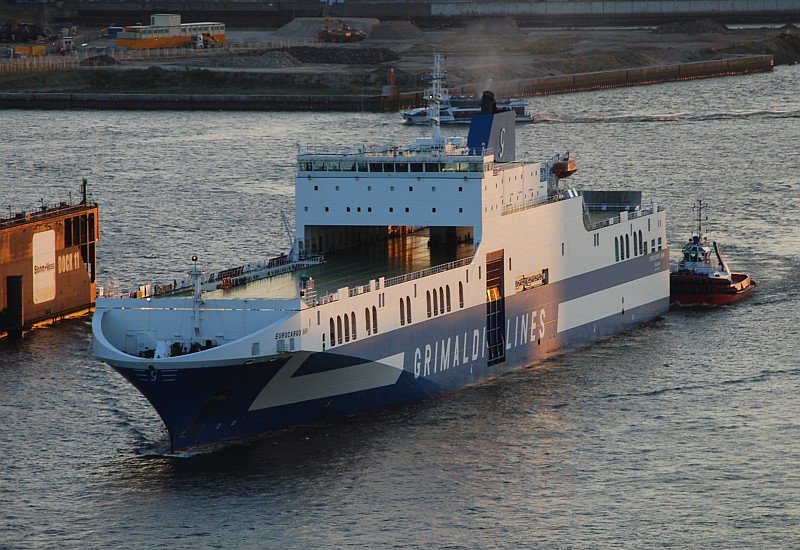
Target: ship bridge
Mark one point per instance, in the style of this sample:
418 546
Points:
346 200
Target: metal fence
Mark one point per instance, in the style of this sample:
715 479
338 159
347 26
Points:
91 57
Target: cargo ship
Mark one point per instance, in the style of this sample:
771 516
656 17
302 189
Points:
47 264
447 262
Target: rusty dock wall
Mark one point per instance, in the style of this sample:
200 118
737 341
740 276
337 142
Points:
637 77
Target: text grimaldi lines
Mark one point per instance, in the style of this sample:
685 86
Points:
462 349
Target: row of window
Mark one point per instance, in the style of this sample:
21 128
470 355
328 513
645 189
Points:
369 209
343 328
391 167
440 300
622 246
184 30
391 188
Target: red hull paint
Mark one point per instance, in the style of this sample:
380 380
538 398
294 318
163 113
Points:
701 290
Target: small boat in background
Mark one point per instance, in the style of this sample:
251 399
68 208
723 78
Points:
699 280
458 109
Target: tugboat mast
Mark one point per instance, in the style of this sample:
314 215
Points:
699 207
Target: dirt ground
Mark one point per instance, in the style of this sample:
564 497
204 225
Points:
498 49
291 61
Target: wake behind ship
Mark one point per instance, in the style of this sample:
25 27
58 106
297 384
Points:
447 262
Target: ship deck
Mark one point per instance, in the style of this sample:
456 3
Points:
354 267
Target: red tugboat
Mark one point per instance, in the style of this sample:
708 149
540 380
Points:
699 280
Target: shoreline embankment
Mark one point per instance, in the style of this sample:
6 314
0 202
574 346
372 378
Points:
739 65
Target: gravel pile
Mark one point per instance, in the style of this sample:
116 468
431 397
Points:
395 30
269 59
308 27
701 26
341 56
99 61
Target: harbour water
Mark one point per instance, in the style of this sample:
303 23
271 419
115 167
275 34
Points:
680 434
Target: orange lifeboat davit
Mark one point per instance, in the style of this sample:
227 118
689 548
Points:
564 167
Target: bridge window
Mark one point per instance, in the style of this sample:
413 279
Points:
333 333
353 323
369 325
447 293
402 312
642 244
408 310
338 329
616 249
460 295
374 320
435 303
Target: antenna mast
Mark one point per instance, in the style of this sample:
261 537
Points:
436 94
700 207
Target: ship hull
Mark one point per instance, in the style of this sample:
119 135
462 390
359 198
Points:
207 404
701 290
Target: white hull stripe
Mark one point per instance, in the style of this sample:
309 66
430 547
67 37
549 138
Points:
284 389
599 305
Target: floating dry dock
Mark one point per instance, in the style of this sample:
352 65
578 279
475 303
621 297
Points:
47 264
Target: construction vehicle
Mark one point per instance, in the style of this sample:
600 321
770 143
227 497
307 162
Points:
336 30
203 41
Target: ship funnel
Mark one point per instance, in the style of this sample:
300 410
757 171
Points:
496 132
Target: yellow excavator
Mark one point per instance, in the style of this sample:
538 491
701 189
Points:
336 30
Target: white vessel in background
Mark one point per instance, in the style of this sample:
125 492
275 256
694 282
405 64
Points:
459 109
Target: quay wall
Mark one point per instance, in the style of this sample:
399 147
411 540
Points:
356 103
635 77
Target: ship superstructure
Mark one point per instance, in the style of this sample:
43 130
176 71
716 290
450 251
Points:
448 261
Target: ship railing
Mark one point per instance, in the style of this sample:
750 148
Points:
359 290
362 289
530 203
630 215
426 272
44 212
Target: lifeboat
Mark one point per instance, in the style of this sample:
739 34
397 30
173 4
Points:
564 167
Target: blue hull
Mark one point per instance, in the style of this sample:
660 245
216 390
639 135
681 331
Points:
435 357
